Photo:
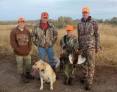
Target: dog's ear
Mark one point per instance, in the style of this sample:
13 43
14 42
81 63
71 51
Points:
34 61
38 69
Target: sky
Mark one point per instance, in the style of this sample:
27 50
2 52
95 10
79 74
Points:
31 9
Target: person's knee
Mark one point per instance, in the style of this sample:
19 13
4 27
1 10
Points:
20 68
19 59
50 54
27 59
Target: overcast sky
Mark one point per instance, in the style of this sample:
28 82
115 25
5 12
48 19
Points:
31 9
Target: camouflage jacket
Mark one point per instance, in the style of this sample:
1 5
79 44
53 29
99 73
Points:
44 37
70 43
88 34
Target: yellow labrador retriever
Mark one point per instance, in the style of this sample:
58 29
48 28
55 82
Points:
46 73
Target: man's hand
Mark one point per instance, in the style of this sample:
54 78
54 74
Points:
77 51
46 45
97 50
64 47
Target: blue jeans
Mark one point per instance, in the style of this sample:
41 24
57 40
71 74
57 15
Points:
43 52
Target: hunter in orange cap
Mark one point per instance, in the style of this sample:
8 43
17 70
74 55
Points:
70 30
21 43
86 13
69 45
47 34
89 45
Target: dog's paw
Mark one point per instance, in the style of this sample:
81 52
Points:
41 88
51 88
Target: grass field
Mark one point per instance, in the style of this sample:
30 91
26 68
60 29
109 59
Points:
106 65
108 36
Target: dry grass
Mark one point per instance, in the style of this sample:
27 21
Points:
108 54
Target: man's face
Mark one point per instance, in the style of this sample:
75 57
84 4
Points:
21 24
70 33
85 15
44 20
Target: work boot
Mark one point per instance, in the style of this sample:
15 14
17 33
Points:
29 76
24 79
82 81
88 87
70 80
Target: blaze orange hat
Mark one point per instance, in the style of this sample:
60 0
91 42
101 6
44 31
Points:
21 19
44 15
69 28
85 10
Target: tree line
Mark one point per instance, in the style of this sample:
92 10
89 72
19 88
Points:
62 21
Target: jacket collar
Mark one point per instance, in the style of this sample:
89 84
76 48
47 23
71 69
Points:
49 23
87 20
44 26
20 29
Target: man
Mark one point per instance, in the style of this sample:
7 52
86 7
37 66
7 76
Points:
44 37
69 45
88 36
20 40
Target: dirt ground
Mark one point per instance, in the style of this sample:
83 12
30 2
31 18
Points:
105 79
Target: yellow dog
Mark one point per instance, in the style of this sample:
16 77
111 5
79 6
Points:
46 72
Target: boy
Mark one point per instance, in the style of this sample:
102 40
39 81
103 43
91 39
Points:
69 45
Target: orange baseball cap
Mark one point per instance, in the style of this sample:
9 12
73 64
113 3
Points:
69 28
44 15
85 10
21 19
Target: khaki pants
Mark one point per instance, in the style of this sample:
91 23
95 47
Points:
23 64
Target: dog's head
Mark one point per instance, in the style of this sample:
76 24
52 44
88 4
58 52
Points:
39 65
